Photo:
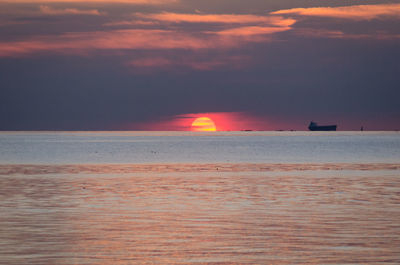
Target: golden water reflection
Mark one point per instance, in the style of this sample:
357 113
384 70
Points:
207 217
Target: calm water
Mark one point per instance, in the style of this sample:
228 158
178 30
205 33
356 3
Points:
187 147
179 198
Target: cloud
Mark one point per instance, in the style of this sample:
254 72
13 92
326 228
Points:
233 24
232 32
201 63
350 14
130 23
356 12
151 62
145 39
9 23
47 10
338 34
242 27
132 39
212 18
251 30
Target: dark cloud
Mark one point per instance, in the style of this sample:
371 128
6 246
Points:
317 68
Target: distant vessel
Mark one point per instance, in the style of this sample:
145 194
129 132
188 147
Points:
315 127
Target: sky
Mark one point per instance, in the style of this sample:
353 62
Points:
160 64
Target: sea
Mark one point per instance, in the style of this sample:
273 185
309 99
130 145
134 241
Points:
199 197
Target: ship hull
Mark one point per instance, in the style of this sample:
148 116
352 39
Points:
323 128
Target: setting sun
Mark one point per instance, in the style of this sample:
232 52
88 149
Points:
203 124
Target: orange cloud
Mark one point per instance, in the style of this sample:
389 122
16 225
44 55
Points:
356 12
212 18
47 10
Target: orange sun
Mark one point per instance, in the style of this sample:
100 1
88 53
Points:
203 124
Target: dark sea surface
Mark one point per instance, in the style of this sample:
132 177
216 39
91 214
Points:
198 198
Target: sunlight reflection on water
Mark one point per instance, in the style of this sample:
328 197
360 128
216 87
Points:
174 217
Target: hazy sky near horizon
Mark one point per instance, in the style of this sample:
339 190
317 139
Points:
145 64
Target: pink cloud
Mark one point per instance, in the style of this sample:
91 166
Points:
8 23
338 34
132 39
200 63
151 62
230 62
251 30
236 31
255 24
47 10
355 12
140 39
213 18
130 23
254 30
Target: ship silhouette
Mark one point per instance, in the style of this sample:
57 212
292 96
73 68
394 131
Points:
315 127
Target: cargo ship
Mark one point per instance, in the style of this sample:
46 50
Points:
315 127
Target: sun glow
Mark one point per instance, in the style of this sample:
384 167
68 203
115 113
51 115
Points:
203 124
